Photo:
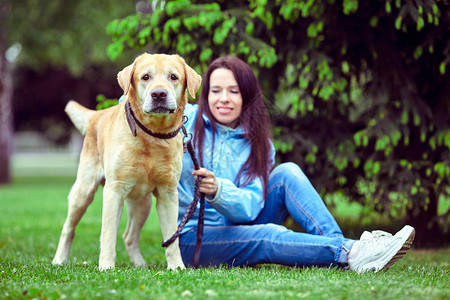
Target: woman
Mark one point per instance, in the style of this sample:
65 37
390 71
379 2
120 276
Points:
247 201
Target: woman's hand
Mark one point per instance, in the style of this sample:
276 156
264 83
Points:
209 184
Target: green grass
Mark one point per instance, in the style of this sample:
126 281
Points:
33 211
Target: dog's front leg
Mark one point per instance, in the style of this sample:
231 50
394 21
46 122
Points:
167 208
138 211
112 212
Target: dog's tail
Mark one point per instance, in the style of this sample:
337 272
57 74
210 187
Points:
79 115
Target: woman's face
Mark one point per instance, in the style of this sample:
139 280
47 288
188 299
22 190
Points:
224 97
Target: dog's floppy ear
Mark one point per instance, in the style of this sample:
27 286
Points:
193 80
125 76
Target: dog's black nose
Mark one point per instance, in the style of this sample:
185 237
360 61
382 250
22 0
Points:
159 95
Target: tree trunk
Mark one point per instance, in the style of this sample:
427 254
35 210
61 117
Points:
6 89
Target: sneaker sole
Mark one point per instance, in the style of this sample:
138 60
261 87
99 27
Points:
405 247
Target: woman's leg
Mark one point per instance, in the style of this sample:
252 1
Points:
239 245
290 191
265 241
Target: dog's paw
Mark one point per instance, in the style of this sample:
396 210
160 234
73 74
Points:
140 265
105 268
58 261
138 260
176 267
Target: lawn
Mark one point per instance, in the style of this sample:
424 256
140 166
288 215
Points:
33 211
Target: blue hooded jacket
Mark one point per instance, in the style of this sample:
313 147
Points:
232 203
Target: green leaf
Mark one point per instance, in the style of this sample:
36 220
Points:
303 82
447 138
442 68
356 163
154 19
267 57
406 140
324 71
420 23
435 9
420 9
416 120
310 158
423 137
432 142
371 168
382 143
311 31
388 7
398 22
243 48
326 92
395 137
206 54
376 167
442 170
190 22
111 28
252 59
114 50
373 21
404 118
341 163
361 138
222 31
174 6
345 67
365 140
172 25
144 33
249 28
350 6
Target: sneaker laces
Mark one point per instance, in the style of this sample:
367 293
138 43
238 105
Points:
376 234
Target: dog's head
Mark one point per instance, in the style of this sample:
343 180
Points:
158 82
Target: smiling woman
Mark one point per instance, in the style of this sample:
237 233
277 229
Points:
224 98
248 198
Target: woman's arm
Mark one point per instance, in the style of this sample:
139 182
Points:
238 204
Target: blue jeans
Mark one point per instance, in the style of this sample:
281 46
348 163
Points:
265 240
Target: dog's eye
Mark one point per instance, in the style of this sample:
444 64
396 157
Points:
145 77
173 77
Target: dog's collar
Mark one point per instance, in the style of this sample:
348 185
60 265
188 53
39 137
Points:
131 119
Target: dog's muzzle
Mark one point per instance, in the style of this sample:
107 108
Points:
161 102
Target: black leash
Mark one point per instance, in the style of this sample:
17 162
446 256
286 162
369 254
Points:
192 207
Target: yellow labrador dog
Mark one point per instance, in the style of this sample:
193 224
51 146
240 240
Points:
134 164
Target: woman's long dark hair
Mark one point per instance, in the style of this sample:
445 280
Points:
254 119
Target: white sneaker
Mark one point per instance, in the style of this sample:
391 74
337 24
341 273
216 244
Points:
378 250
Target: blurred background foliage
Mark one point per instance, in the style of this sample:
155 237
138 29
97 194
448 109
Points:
358 91
58 48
